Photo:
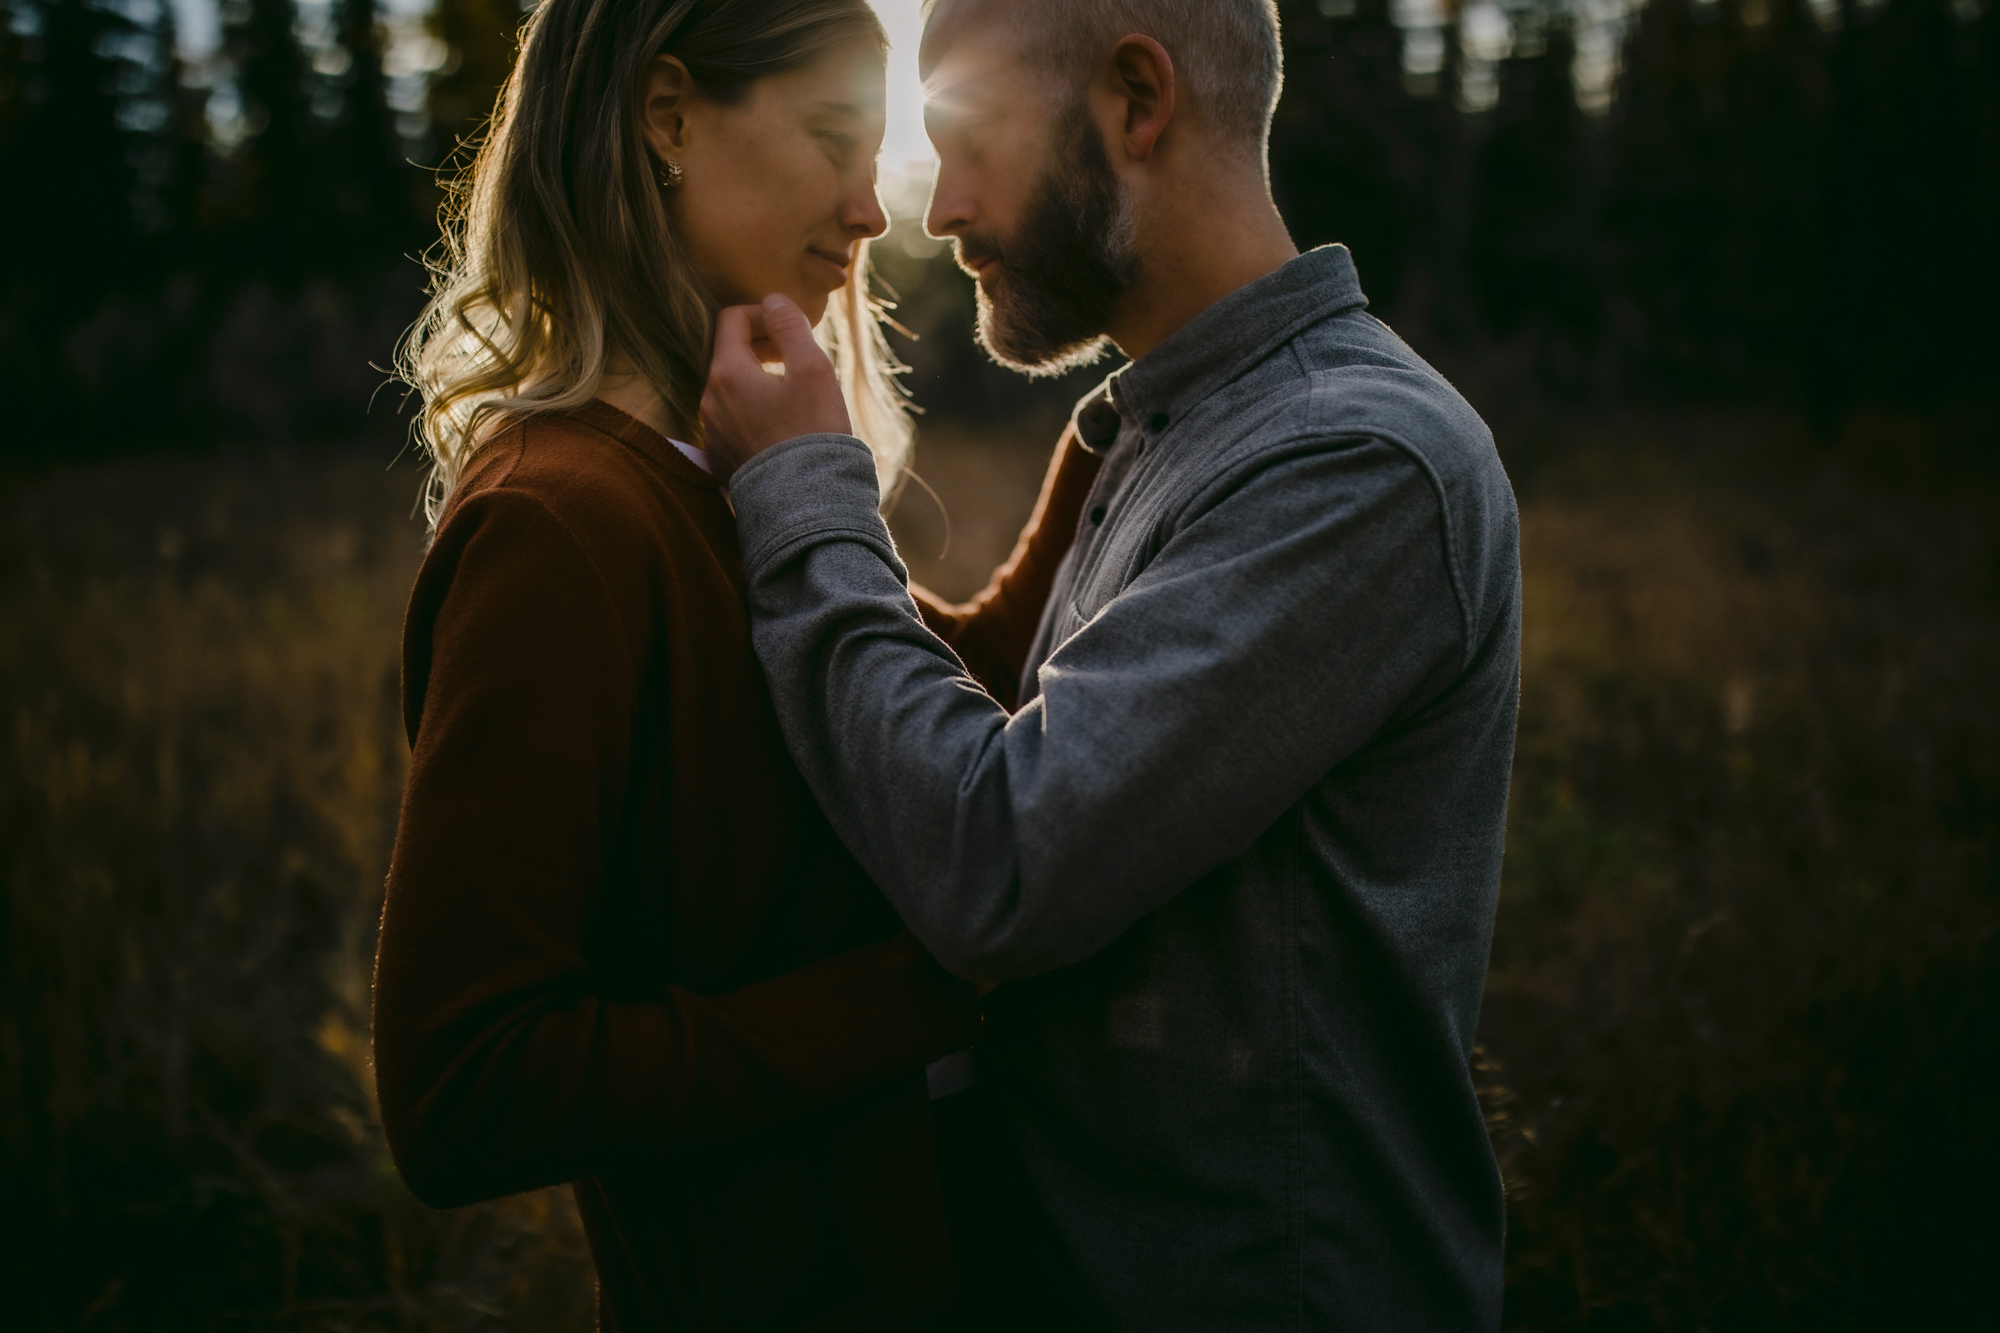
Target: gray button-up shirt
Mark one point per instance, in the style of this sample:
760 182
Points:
1238 852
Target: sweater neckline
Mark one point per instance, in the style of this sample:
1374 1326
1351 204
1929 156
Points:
629 430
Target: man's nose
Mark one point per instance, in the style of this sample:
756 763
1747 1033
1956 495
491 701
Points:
951 211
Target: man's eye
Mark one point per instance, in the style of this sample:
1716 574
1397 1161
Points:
843 143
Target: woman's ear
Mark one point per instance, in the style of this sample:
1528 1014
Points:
663 99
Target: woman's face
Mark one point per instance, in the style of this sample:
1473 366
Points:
776 190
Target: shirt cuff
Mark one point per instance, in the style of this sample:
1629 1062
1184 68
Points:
806 491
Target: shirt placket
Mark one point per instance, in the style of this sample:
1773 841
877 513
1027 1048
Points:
1104 492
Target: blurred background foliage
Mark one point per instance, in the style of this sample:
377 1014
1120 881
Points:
1772 203
1721 273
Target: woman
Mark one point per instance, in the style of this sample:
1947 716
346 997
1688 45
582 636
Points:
621 946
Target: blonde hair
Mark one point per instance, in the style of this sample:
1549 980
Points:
559 250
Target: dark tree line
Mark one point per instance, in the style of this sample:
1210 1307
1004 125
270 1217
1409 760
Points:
1775 209
220 253
1780 206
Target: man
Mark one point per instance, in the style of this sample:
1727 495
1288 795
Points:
1236 856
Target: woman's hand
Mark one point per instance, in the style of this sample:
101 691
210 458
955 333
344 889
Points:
747 409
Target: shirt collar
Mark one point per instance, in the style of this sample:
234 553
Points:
1221 343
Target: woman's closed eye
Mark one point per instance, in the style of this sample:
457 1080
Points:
841 145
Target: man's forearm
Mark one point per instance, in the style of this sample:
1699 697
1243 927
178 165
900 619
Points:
1168 733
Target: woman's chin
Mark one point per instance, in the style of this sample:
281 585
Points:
813 300
810 297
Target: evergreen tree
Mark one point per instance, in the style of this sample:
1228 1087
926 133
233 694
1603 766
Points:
1719 148
68 229
1669 211
1834 340
1445 199
376 190
1532 243
73 156
14 111
1924 157
1775 92
274 200
481 36
171 155
1350 156
1902 209
189 194
1987 87
1987 81
13 77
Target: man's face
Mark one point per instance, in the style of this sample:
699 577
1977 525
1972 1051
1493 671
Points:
1025 188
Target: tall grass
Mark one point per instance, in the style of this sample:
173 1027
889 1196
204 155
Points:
1739 1040
198 667
1744 1002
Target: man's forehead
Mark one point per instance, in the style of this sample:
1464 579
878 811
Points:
968 38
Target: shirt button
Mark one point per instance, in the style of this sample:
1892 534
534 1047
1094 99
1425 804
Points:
1159 422
1097 516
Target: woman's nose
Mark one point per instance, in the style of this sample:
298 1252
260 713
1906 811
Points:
864 216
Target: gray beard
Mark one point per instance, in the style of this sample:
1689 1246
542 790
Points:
1074 255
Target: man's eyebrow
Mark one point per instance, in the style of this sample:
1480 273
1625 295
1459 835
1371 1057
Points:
958 96
848 108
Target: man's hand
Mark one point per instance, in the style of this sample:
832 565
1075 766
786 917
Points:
747 409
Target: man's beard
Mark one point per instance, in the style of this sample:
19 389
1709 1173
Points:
1073 256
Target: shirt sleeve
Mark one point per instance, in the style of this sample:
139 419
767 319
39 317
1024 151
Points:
1297 605
993 631
503 1063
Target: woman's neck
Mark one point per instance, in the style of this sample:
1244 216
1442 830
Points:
631 394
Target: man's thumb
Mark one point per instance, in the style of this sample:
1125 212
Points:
789 329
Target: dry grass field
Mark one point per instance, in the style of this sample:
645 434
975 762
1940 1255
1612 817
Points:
1739 1045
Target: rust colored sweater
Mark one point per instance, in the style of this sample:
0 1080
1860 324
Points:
621 946
992 633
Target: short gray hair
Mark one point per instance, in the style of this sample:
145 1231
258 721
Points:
1225 52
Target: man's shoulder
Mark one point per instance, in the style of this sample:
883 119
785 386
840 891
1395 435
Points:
1348 380
1356 379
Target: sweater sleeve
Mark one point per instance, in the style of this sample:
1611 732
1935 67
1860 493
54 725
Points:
502 1063
992 633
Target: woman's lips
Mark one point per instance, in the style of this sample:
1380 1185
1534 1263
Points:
835 261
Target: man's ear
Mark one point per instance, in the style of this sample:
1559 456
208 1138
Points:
663 98
1142 73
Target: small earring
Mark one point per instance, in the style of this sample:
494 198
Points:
669 173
